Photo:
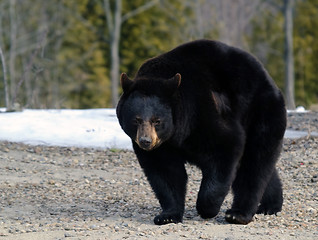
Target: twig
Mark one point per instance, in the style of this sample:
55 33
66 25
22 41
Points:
139 10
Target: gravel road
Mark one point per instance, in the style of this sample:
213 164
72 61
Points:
83 193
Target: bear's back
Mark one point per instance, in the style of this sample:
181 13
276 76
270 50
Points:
194 55
210 65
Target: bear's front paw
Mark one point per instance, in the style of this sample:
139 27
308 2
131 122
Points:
236 217
165 218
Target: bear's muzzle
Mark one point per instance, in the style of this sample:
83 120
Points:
147 137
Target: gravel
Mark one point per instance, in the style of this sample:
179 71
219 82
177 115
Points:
307 121
83 193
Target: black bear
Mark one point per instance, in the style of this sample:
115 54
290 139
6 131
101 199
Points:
214 106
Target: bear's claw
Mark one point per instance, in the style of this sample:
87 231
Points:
266 210
166 219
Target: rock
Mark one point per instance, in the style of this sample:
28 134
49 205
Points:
68 235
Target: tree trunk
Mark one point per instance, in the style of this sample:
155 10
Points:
288 55
12 53
114 46
5 83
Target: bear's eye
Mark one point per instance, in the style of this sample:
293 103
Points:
156 121
138 120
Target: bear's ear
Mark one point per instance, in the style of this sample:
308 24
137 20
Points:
125 82
173 83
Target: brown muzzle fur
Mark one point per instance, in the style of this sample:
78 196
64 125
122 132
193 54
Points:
147 137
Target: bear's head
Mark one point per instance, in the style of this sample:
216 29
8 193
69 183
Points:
145 112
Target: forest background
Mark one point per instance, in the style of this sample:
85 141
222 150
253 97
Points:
69 53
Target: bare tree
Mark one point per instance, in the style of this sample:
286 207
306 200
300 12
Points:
114 20
229 20
202 22
114 26
288 54
13 46
29 66
234 19
30 40
5 82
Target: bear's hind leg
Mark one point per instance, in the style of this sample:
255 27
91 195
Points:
256 174
250 185
254 179
272 199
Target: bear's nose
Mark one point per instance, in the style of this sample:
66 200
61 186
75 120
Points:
145 142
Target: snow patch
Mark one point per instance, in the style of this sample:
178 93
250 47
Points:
97 128
82 128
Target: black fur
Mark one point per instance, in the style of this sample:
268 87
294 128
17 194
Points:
226 116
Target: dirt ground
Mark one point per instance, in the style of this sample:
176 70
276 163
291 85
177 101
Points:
80 193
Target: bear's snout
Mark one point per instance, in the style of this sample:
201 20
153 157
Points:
147 137
145 142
